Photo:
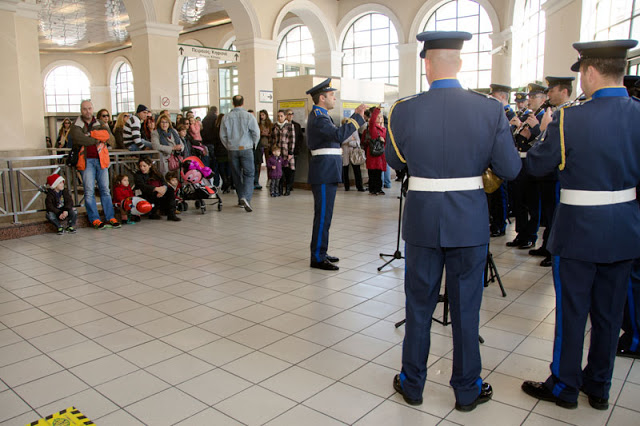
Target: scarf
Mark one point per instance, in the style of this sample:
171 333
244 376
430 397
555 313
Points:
169 136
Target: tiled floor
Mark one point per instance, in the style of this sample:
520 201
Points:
218 320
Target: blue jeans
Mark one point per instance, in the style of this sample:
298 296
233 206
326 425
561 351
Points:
386 177
90 175
242 170
71 218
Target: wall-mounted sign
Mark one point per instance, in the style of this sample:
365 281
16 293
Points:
266 96
165 101
291 104
208 53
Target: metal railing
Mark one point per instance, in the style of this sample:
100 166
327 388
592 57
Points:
21 177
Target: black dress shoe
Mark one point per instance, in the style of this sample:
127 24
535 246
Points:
486 392
325 264
625 352
398 388
541 251
540 391
332 259
495 234
515 243
546 262
597 403
526 245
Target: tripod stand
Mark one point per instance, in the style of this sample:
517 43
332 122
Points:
397 254
491 273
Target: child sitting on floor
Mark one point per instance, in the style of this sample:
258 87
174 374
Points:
122 191
172 180
59 205
274 171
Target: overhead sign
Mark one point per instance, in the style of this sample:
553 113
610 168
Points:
208 53
266 96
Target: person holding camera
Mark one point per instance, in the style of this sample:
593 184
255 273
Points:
374 143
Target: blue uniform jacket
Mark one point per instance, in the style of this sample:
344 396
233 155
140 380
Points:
322 133
449 132
596 147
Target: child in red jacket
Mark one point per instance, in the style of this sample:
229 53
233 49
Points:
122 191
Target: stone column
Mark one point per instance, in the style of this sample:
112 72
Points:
409 69
329 62
563 28
22 106
154 56
256 70
501 57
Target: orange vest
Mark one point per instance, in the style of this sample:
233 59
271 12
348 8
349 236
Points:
103 155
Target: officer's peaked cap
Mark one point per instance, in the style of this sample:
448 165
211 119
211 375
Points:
610 49
499 88
325 86
556 81
442 40
536 88
521 96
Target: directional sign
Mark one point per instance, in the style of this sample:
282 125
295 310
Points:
208 53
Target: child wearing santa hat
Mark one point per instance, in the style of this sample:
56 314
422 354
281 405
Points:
59 205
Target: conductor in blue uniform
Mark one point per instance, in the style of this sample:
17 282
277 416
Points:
596 229
325 166
445 221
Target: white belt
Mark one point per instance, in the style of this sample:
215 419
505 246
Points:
575 197
326 151
522 154
445 185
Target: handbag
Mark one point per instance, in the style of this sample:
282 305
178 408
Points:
174 161
357 156
376 147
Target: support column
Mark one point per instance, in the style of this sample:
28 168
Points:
563 19
409 69
501 58
214 86
256 70
154 58
23 93
329 62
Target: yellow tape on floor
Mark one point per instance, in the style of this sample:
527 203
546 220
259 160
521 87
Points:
69 417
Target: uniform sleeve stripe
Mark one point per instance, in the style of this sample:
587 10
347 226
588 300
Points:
393 141
562 149
354 122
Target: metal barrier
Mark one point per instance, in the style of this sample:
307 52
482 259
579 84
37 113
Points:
18 171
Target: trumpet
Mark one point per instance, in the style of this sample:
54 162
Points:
546 104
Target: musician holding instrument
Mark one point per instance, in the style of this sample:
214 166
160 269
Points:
526 201
559 92
522 103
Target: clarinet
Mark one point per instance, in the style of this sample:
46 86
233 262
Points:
546 104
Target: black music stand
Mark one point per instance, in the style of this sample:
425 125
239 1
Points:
397 254
491 273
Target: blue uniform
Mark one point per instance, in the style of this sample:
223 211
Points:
446 228
325 172
594 147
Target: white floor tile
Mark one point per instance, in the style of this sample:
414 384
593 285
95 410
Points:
256 367
492 412
179 369
209 416
38 392
221 352
149 353
133 387
255 406
332 364
166 408
11 405
344 402
89 402
311 418
214 386
297 383
402 414
104 369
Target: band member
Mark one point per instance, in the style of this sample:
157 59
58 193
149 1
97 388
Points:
445 216
526 201
522 103
594 147
559 92
325 166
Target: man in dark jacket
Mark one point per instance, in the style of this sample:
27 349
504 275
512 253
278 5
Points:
208 133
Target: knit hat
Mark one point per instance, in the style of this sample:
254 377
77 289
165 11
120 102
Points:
141 108
54 180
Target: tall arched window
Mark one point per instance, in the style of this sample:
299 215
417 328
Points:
124 89
227 82
370 50
528 43
612 19
295 53
64 88
469 16
194 76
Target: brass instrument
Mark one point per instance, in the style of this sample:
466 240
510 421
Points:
490 181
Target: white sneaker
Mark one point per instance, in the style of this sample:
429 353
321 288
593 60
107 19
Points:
246 205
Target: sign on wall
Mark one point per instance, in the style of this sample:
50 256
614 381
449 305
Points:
208 53
266 96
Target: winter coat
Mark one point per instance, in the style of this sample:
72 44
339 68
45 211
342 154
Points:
375 131
348 145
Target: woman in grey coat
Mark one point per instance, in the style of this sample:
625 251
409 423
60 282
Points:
166 140
348 146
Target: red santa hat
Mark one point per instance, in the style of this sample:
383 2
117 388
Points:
54 180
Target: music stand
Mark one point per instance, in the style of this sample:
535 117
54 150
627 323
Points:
491 273
397 254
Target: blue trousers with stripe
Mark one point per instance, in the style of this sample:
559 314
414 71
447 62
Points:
465 283
631 320
582 289
324 196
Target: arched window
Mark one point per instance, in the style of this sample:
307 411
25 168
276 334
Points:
65 88
370 50
124 89
227 82
612 19
469 16
194 76
295 54
528 43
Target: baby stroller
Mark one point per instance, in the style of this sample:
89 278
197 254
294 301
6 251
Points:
192 172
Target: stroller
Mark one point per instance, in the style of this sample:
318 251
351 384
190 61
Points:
192 173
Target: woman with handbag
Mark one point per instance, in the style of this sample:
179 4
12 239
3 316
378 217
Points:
375 137
166 140
354 155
